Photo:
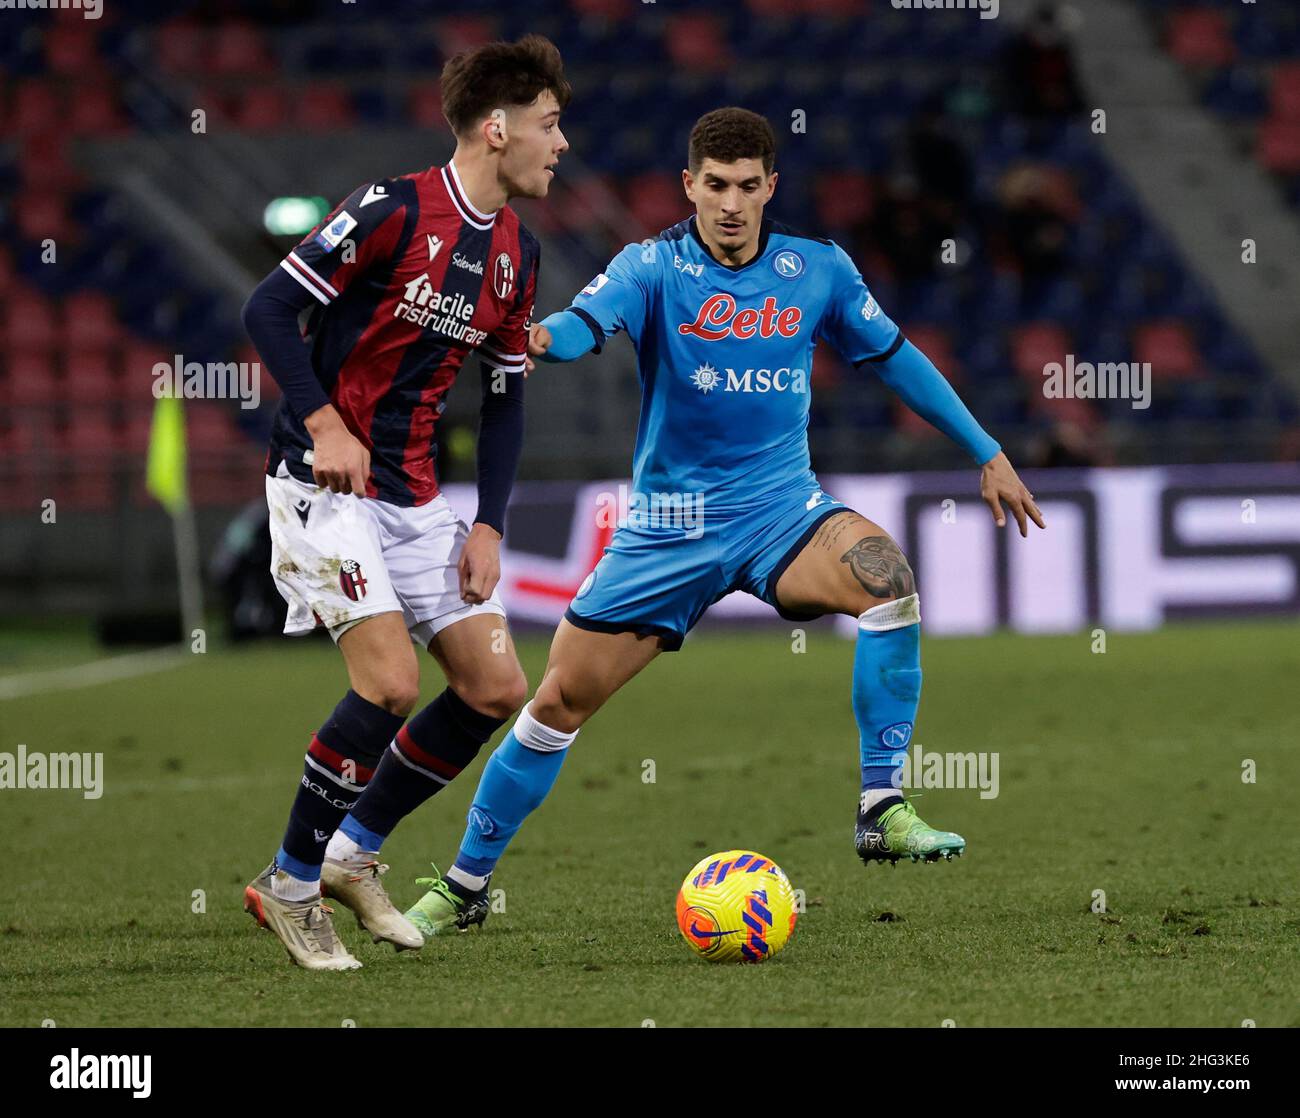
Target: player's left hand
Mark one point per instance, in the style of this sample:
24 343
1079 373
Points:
480 565
999 482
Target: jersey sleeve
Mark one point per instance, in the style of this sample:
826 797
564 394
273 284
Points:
507 346
362 231
619 298
853 321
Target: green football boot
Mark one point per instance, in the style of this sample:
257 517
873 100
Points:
898 832
442 910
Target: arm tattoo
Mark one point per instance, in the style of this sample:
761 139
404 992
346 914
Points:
880 568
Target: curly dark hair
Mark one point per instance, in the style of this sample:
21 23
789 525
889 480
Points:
730 134
500 74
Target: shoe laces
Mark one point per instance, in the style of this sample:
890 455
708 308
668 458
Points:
436 884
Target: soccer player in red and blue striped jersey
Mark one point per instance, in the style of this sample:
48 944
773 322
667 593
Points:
405 280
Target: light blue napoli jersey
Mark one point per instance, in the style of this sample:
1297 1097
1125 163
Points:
725 357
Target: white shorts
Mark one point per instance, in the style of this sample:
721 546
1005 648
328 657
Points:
338 559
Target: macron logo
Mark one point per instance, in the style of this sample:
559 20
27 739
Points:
435 243
373 194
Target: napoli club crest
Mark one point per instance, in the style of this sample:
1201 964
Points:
352 580
503 277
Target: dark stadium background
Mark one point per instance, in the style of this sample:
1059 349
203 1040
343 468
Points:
916 127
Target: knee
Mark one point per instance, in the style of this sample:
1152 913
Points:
552 707
499 697
397 695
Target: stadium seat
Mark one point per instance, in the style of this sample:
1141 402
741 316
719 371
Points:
1036 345
89 322
89 378
1170 349
844 199
655 201
29 324
322 107
696 41
31 381
1200 37
35 109
239 48
1284 95
261 109
70 50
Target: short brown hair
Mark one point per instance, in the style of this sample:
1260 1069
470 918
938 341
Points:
730 134
497 75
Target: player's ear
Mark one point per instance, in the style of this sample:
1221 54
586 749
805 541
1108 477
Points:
771 186
494 130
688 183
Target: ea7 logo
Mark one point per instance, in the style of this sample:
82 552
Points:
681 265
718 319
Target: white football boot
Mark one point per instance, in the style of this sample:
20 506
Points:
304 927
357 885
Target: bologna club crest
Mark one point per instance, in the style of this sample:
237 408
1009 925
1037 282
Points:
352 580
503 278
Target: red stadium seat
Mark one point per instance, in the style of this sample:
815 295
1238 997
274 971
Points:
605 9
458 33
1278 146
697 41
263 109
29 325
1285 92
210 425
1201 37
89 322
1170 349
45 166
655 201
35 109
180 48
322 106
89 378
94 112
844 199
424 107
30 381
1036 345
239 48
71 50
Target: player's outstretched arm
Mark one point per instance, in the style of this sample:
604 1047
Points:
913 377
562 336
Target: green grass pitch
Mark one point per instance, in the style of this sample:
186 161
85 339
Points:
1119 772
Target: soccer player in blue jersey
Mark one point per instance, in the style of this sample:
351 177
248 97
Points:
724 310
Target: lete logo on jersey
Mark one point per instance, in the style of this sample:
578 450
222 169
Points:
718 319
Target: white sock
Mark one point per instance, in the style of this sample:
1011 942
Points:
873 796
343 849
466 880
286 887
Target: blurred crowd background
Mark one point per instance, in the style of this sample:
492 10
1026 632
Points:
899 132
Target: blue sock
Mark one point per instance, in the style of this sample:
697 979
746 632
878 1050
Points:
886 690
515 781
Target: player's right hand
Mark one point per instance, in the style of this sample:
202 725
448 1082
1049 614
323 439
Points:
340 462
539 341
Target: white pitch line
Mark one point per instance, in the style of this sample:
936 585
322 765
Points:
90 675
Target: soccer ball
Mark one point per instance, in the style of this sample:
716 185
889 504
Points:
736 907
